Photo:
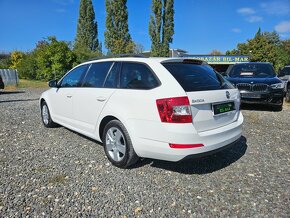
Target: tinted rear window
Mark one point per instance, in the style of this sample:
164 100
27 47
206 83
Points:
252 70
193 77
286 70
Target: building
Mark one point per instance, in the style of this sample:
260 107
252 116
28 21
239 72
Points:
219 62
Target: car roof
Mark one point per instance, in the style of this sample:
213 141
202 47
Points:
253 63
145 60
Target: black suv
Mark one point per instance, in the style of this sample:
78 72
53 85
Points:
1 83
257 83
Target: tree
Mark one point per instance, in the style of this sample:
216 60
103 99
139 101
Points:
87 29
16 57
53 58
27 66
5 60
138 48
273 38
161 27
117 37
216 52
264 47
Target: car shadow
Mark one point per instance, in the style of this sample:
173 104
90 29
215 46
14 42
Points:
11 92
19 100
202 165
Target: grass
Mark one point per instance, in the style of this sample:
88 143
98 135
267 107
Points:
23 83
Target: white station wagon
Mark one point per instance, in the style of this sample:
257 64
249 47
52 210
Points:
160 108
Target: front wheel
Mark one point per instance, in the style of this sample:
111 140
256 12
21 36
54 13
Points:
45 116
118 146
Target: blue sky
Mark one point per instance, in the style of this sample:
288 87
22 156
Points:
200 25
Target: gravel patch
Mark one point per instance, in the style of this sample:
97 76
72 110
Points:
59 173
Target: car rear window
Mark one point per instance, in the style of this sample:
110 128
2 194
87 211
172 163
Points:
195 77
286 70
252 70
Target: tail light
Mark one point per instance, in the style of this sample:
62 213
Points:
174 110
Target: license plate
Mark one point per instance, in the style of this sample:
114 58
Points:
223 108
250 95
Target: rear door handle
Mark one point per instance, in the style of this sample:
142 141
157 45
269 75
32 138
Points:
69 96
101 99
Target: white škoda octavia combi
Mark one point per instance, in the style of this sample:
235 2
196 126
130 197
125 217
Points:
161 108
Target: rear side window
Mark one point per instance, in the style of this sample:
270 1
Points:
112 80
74 77
194 77
137 76
96 75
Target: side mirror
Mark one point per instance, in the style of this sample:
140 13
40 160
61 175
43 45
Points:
52 83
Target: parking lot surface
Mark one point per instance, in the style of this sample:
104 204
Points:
59 173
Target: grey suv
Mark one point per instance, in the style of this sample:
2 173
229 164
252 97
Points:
284 75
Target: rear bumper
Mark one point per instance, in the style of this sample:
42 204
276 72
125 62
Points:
213 141
193 156
274 97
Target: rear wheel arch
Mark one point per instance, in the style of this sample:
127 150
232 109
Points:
103 124
41 101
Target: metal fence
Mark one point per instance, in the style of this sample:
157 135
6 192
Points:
9 76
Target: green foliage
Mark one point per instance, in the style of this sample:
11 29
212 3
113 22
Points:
161 27
87 29
5 61
50 59
53 59
27 66
264 47
84 54
117 37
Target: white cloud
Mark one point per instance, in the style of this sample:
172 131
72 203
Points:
246 11
236 30
250 15
283 27
254 19
277 7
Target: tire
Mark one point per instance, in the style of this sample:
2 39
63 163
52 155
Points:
118 145
278 107
288 95
45 116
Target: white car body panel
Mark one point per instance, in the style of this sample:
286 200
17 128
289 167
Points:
88 104
84 111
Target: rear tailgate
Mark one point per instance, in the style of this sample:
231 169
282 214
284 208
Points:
204 117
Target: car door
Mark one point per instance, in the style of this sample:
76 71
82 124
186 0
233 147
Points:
62 98
98 86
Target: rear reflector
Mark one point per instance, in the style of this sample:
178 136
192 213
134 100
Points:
185 145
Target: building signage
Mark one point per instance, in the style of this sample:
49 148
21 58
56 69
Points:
221 59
